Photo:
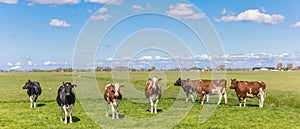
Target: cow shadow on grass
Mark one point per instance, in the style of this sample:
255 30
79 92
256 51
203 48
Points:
41 105
121 116
75 119
158 110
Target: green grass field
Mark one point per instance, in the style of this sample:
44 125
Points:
281 109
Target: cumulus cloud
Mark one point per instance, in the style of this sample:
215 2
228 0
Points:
50 63
9 1
297 24
224 11
59 23
54 1
104 17
139 8
102 10
184 11
254 15
115 2
9 64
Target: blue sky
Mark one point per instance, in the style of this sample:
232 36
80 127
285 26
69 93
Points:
43 32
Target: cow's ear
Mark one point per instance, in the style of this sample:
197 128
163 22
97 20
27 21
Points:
122 86
29 80
187 80
74 86
149 79
159 79
63 83
179 78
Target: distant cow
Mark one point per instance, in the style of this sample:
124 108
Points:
113 96
188 88
212 87
66 100
34 90
153 93
245 89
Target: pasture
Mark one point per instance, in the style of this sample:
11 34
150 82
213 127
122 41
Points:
281 109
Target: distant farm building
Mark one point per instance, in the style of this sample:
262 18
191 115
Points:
263 69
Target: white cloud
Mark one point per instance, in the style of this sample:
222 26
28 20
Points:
101 17
137 8
145 58
50 63
16 67
18 64
115 2
254 15
297 24
54 1
103 10
224 11
9 1
9 64
59 23
184 11
89 11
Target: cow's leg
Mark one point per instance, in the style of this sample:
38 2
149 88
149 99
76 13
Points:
192 98
117 109
187 96
61 108
151 105
155 105
35 101
106 110
66 113
245 102
207 98
70 114
225 97
202 97
31 101
220 98
241 101
113 111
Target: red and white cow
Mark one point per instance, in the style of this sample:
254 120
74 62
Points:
153 93
207 87
245 89
113 96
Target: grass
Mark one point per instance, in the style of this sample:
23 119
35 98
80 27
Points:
282 108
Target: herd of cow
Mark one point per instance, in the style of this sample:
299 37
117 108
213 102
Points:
203 88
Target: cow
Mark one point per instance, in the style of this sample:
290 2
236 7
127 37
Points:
244 89
113 96
153 93
207 87
188 88
34 90
66 100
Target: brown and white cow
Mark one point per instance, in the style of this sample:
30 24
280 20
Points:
207 87
189 87
113 96
153 92
246 89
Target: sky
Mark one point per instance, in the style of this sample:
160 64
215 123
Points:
44 33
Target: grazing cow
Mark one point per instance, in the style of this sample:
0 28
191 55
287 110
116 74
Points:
245 89
34 90
212 87
188 88
153 93
66 100
113 96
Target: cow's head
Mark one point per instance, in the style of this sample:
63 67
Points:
154 82
234 83
27 84
68 87
178 82
116 89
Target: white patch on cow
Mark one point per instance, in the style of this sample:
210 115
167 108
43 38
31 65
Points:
31 101
250 93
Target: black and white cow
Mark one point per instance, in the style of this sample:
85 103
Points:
66 100
34 90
